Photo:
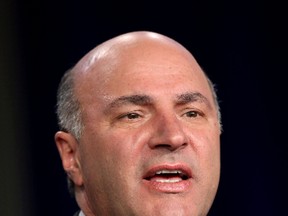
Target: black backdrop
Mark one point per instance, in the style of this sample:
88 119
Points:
241 45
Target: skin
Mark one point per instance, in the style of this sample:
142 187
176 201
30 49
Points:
146 106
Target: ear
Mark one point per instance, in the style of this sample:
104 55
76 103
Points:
68 148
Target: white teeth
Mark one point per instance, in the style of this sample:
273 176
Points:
168 180
168 172
168 176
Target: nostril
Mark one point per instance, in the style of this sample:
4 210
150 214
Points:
169 147
163 146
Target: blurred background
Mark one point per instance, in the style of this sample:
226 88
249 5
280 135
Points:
242 45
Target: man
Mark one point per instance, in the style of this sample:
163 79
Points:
140 129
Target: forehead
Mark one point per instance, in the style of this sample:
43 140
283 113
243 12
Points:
143 68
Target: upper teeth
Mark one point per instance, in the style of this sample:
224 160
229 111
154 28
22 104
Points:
168 172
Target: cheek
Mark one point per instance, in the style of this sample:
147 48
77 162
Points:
206 145
211 149
116 147
208 154
114 151
212 159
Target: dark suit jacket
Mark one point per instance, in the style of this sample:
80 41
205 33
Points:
76 213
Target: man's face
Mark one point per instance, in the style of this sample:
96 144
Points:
150 144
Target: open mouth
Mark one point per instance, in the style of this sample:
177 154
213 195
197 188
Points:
167 176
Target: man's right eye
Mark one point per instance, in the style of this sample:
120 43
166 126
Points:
130 116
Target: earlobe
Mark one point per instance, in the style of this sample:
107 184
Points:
67 147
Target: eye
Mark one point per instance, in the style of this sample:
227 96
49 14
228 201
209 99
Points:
192 114
130 116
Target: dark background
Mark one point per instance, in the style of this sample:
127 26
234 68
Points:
242 45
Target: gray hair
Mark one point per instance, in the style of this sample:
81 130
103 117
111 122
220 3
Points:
216 100
68 107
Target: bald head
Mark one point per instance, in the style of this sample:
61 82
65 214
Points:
131 51
127 46
139 104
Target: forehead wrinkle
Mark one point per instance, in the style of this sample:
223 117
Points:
190 97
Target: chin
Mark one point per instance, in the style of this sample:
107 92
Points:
172 207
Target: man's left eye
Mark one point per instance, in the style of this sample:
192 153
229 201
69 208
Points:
132 116
192 114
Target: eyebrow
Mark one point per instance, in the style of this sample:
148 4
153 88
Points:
144 100
190 97
140 100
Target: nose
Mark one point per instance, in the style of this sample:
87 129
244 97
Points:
167 133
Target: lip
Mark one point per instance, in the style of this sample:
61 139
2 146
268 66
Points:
170 184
